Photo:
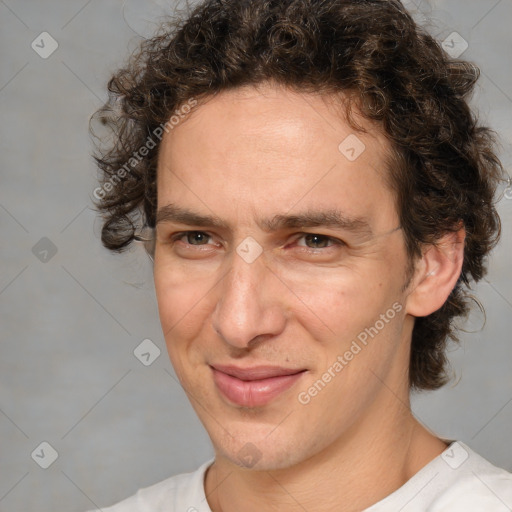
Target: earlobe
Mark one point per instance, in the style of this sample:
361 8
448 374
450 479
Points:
436 274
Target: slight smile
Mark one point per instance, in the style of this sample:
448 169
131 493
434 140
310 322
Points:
254 386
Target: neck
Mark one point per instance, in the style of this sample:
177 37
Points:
362 467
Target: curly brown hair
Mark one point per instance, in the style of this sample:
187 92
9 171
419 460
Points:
444 170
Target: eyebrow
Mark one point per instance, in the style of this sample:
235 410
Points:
173 213
326 218
330 218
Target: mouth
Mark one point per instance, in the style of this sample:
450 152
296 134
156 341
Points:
254 386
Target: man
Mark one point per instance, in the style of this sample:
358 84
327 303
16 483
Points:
319 196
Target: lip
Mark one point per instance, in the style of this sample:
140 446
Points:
254 386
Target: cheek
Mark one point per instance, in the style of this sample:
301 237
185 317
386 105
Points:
343 304
183 306
179 294
352 328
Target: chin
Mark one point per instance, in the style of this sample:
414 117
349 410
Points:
260 458
260 448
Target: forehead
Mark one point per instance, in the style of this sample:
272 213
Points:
270 150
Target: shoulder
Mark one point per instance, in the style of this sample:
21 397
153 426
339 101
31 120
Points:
473 483
184 492
458 480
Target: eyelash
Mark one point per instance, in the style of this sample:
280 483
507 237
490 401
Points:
333 241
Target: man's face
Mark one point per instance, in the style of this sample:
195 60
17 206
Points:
287 353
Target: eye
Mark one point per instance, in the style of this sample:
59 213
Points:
317 241
192 237
191 245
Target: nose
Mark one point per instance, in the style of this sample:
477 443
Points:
249 307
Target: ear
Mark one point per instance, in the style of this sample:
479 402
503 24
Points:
436 274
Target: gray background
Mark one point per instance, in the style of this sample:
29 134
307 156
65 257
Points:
69 325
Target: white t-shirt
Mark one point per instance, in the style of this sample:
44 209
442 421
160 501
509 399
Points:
458 480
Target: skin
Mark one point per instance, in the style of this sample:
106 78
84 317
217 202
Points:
250 154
